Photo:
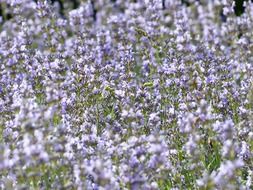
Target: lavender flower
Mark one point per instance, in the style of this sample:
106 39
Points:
127 94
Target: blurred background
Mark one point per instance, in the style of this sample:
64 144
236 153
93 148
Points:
65 5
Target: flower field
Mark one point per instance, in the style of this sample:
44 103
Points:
126 95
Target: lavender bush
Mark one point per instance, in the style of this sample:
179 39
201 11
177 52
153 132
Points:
144 94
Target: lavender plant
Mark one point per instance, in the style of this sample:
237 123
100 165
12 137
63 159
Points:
133 94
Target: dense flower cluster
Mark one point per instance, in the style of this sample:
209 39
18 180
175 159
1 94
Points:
126 94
